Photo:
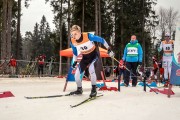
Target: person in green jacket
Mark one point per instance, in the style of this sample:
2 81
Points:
133 55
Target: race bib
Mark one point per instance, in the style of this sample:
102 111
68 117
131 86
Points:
167 47
86 47
132 51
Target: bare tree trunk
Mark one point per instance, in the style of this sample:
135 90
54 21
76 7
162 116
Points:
18 30
18 34
69 23
122 29
60 40
142 34
96 17
172 17
8 49
99 17
162 21
82 28
4 30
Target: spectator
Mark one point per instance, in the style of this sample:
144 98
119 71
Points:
50 65
155 67
121 69
116 71
107 71
12 64
133 55
40 60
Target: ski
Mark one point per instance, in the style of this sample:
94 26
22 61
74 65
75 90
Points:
51 96
86 100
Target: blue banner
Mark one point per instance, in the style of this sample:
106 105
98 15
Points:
175 73
70 76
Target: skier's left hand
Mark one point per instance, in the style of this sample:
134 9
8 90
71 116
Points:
74 64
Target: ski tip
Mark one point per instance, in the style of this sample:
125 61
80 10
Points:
71 106
96 96
26 97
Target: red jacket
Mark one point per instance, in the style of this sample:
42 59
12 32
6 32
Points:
121 64
40 60
155 64
13 62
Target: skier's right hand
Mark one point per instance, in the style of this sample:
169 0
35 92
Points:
110 53
74 64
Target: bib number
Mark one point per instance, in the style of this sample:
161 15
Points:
167 48
84 48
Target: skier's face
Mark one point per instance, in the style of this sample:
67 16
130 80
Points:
76 34
133 37
167 37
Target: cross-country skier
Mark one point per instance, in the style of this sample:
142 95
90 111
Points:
83 43
167 46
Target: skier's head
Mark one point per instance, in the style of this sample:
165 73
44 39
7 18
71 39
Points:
75 32
167 36
133 38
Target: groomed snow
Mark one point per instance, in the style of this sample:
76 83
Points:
132 103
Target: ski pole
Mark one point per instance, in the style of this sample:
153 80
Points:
124 66
145 84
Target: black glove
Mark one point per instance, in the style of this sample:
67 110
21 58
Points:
74 64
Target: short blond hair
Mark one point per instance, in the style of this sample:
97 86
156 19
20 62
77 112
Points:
75 28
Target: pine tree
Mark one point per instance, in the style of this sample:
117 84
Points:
131 18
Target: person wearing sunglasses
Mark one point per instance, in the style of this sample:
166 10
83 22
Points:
83 43
167 46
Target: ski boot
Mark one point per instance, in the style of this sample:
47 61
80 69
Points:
79 91
93 91
166 84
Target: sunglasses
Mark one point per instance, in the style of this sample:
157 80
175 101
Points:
72 35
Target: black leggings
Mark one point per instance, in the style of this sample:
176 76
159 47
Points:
132 66
40 69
